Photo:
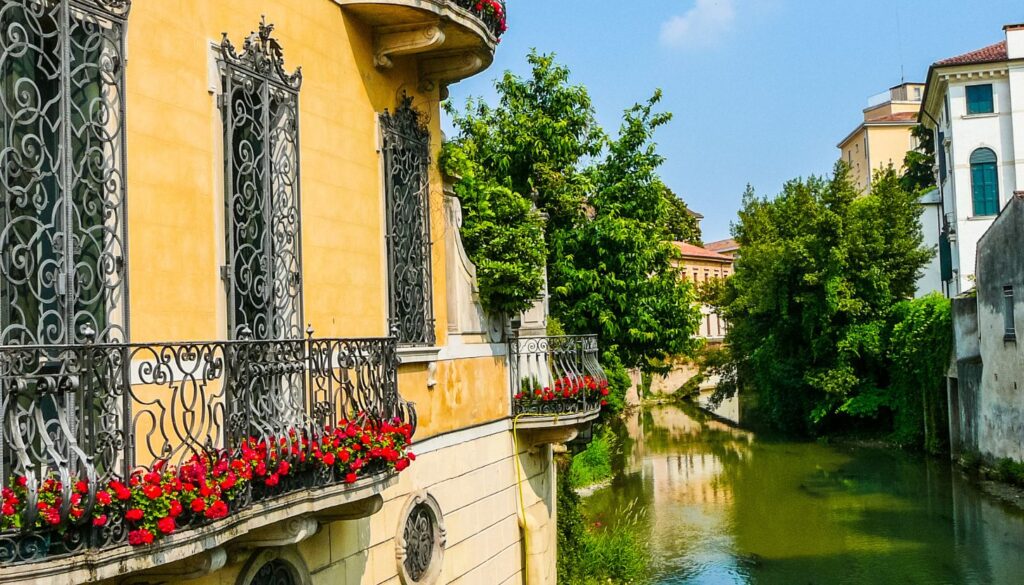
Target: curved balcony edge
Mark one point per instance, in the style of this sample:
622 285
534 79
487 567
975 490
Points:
449 42
537 430
288 519
488 29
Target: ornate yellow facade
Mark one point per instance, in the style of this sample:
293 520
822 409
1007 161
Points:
476 506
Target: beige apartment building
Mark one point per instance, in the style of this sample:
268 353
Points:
883 137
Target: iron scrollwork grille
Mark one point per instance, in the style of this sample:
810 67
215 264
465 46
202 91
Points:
95 412
63 241
407 187
261 133
419 541
275 572
556 375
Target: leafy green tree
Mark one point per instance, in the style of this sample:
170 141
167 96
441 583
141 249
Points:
819 271
608 247
537 140
919 162
680 224
613 273
502 232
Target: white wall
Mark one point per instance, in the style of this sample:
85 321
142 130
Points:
931 226
966 134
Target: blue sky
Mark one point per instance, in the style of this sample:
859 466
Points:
761 90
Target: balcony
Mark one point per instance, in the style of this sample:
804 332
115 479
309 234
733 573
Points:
450 39
558 385
120 458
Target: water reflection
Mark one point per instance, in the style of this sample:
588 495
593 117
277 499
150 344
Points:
726 507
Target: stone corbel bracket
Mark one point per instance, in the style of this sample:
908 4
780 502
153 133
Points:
406 39
292 531
194 567
438 71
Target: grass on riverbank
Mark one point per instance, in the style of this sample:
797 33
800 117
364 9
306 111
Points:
594 464
595 555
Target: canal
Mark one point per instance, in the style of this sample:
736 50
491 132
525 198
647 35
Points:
721 505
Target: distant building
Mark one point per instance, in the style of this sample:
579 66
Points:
974 103
883 138
702 265
726 247
985 406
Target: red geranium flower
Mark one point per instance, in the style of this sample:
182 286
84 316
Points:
100 520
140 536
217 510
166 525
133 515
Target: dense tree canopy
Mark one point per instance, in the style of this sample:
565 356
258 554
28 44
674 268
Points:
811 304
608 234
680 224
919 162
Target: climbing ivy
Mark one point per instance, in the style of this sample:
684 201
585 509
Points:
502 232
920 345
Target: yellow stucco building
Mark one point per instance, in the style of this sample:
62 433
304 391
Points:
883 138
229 258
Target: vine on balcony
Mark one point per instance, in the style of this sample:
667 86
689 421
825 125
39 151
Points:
165 499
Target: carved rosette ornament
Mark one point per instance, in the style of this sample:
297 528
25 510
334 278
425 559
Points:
421 540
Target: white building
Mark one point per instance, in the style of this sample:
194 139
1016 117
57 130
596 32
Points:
975 105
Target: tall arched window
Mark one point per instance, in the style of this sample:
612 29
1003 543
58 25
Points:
984 182
62 190
261 151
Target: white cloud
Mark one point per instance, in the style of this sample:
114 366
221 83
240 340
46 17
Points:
700 26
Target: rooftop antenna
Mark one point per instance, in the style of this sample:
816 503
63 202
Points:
899 43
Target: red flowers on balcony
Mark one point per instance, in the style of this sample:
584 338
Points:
164 499
571 389
491 12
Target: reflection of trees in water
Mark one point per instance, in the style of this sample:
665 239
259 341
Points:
861 513
790 511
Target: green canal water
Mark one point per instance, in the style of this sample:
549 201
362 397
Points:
722 505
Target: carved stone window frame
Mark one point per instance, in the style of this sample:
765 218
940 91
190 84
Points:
421 502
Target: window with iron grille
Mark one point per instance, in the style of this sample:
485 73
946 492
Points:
261 151
406 144
1009 326
62 235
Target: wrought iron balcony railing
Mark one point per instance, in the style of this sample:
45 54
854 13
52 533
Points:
107 443
557 375
491 12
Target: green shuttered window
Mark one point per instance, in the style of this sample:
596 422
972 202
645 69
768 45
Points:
984 182
979 99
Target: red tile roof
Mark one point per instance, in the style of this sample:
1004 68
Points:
996 52
722 245
698 252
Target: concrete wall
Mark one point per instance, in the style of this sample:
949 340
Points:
930 219
963 389
1001 404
